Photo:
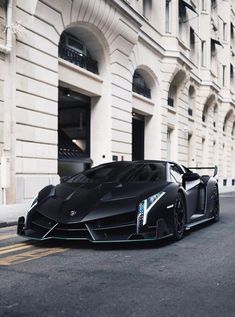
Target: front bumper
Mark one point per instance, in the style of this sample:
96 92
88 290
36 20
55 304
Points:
103 230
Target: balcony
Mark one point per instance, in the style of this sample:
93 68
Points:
74 57
143 91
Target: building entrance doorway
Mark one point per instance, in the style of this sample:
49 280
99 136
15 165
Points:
73 132
138 126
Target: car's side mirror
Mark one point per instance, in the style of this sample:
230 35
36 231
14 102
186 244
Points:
190 180
188 177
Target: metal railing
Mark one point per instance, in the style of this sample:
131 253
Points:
74 57
170 102
143 91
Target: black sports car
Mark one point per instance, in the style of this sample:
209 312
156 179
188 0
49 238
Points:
123 201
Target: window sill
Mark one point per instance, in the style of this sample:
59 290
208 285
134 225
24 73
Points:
147 100
171 109
190 118
213 73
183 44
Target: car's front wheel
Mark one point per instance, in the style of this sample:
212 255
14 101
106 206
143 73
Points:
179 217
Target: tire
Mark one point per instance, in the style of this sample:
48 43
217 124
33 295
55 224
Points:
216 207
179 218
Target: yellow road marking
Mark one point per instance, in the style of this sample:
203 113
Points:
9 250
29 256
7 236
15 247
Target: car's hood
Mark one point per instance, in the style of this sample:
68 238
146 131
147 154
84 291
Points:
73 203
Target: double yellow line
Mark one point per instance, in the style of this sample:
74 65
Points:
7 236
14 247
36 251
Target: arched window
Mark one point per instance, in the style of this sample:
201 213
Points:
207 106
147 7
175 85
72 49
172 95
139 85
215 115
204 114
233 130
213 4
191 100
226 120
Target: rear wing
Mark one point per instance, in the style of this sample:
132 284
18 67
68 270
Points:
215 168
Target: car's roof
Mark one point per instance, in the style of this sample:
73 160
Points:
139 162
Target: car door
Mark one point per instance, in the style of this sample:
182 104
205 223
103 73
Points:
191 189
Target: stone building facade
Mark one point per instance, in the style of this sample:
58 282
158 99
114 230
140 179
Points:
89 81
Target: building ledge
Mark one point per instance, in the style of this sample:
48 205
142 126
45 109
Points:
80 70
142 104
70 75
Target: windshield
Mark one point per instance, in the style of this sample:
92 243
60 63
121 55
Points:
122 172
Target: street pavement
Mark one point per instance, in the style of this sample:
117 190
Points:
192 277
9 214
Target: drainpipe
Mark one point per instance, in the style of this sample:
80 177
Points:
5 159
8 46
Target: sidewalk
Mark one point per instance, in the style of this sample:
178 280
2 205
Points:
9 214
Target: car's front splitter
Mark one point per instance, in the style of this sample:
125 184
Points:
94 241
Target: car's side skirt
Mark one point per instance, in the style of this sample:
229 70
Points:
190 225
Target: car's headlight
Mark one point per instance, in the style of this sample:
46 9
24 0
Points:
48 191
34 203
145 206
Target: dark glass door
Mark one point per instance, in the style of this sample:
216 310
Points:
73 132
138 126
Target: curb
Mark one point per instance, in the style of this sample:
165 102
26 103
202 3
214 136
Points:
8 224
226 193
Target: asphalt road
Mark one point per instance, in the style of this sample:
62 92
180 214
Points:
193 277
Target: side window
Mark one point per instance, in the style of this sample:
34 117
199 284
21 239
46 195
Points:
176 173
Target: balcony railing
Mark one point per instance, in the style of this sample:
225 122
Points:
74 57
143 91
170 102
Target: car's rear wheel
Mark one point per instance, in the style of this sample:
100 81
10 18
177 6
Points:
179 218
216 209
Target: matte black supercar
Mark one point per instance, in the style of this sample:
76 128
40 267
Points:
123 201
